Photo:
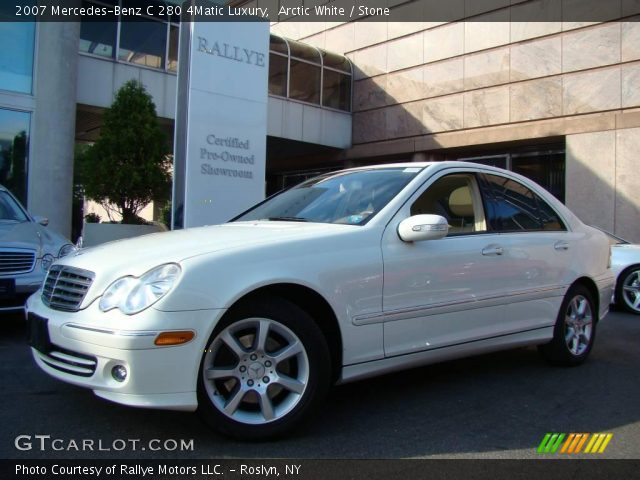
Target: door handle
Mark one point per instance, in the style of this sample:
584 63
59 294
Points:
561 245
492 250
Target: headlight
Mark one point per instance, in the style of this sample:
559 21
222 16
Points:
47 260
66 250
132 295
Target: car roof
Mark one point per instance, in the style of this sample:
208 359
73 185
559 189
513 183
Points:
440 164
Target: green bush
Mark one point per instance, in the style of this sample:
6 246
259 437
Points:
128 166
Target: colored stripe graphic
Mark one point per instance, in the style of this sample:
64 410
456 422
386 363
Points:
598 443
551 442
595 443
576 445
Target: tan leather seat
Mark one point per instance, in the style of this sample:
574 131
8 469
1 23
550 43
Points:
461 205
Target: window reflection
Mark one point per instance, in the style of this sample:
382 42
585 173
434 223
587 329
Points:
336 90
314 76
98 38
304 52
337 62
277 44
172 62
546 169
14 142
143 42
278 75
16 56
304 83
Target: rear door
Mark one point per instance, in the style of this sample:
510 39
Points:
539 249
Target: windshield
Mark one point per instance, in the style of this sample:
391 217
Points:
351 198
10 210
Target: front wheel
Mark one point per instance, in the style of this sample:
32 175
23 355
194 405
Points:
575 329
628 290
266 368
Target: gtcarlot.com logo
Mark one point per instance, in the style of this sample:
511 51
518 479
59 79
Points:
574 443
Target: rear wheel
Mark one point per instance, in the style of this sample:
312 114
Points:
575 329
266 368
628 290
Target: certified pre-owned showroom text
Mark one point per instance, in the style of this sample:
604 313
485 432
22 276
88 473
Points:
45 443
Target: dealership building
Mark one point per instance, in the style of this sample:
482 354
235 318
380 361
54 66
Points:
556 100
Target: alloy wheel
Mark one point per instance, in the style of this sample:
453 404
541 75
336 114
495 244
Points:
631 290
578 325
256 371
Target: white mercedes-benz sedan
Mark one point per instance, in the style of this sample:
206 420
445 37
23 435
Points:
348 275
625 263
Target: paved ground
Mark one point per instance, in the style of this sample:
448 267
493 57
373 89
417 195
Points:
494 406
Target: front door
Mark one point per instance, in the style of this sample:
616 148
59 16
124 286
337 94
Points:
449 291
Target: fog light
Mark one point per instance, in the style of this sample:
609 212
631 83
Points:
119 373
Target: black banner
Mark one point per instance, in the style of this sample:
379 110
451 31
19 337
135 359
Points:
544 469
321 11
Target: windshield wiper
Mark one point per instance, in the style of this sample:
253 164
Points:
288 219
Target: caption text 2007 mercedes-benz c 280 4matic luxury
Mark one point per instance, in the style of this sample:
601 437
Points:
348 275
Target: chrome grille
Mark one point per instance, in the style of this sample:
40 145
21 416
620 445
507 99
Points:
65 287
16 261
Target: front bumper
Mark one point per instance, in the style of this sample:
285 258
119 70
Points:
606 290
25 285
84 347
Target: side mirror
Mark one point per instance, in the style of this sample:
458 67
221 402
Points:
41 220
423 227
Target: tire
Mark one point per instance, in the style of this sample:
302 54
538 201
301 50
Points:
575 329
628 290
266 369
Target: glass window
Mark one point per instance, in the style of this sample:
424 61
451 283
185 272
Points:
278 75
14 148
99 38
10 210
174 35
305 52
304 82
548 216
16 56
544 168
338 62
277 44
336 90
143 42
344 197
452 198
512 206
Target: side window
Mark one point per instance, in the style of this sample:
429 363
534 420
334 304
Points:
512 207
456 198
548 217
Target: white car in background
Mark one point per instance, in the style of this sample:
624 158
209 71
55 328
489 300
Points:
625 263
348 275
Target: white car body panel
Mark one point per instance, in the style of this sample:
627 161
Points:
623 256
383 303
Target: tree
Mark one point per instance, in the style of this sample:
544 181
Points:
127 167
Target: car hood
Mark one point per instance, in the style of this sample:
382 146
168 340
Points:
33 236
134 256
21 235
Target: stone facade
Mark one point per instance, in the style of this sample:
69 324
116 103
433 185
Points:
430 86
